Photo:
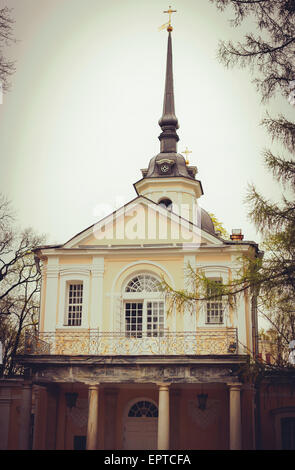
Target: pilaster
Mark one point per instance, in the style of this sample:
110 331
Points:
97 271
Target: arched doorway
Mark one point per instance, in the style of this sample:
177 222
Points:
140 425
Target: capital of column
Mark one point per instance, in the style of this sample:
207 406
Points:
97 265
96 273
52 272
234 387
93 386
163 386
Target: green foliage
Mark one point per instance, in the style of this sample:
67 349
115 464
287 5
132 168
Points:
218 226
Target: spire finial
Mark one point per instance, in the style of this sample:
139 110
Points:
168 122
168 25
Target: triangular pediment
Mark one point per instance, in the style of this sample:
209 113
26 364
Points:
143 222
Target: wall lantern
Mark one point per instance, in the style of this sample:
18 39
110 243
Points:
202 399
71 399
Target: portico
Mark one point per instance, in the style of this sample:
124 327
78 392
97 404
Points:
106 393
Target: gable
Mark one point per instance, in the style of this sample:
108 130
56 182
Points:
142 221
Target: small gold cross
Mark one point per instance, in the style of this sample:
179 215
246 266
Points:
168 25
187 151
170 13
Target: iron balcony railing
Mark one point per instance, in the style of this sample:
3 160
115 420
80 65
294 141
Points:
204 341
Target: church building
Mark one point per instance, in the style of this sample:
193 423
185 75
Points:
113 365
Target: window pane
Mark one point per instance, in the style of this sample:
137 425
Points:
143 283
143 409
75 301
155 323
133 319
214 306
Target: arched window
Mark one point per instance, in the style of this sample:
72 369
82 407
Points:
167 203
143 307
143 283
143 409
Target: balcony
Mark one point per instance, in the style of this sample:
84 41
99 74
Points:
204 341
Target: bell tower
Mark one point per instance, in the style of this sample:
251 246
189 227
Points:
169 180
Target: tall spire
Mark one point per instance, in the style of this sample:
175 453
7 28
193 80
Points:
168 122
168 163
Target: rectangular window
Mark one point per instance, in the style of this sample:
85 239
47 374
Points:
155 318
145 318
214 307
133 319
75 301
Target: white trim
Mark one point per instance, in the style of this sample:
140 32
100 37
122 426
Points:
118 295
132 402
167 191
51 294
152 205
143 297
220 270
126 421
65 279
213 272
135 263
178 180
97 271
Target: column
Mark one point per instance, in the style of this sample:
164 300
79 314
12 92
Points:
92 427
163 417
25 417
235 425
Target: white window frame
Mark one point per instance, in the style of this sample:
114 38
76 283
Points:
213 273
211 303
70 289
144 297
75 277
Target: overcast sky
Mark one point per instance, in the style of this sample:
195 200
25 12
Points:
81 118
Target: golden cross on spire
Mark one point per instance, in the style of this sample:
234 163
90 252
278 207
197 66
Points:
186 151
168 25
